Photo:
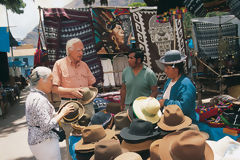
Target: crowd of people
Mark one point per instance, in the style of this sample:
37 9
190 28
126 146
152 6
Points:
144 127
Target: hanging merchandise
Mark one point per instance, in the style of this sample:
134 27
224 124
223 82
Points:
62 25
40 55
113 30
4 39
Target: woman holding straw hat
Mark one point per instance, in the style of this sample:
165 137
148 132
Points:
42 118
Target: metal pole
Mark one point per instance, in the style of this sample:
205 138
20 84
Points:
9 36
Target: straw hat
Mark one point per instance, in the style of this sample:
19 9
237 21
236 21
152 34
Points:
76 114
147 108
173 119
89 93
186 145
91 135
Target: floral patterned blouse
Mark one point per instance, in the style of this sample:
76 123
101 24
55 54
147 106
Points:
39 112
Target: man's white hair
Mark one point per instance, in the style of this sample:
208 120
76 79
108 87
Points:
69 44
39 72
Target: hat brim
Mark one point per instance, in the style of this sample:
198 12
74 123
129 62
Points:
123 151
80 145
162 60
117 131
81 112
187 121
95 92
137 107
164 147
136 147
124 133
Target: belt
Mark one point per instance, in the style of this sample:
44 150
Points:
74 99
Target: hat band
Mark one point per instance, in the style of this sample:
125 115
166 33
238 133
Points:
72 119
147 113
93 142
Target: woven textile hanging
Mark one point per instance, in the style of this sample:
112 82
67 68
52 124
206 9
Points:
64 24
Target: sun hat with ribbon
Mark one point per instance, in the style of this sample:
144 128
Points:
147 108
107 150
171 57
173 119
75 115
89 93
139 131
186 145
121 121
91 135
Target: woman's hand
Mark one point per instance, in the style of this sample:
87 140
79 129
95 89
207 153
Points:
67 109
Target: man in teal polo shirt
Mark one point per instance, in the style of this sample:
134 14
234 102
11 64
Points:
137 80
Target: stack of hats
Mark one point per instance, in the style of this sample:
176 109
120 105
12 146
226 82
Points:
111 150
114 134
139 136
184 145
90 136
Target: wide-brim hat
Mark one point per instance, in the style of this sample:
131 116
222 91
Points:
89 93
79 125
178 144
139 130
147 108
136 147
75 115
128 156
171 57
173 119
107 149
120 121
91 135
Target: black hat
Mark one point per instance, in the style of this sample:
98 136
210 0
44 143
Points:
139 130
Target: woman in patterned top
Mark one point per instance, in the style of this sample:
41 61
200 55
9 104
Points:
42 118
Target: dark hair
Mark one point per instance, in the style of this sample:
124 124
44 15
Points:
180 67
138 53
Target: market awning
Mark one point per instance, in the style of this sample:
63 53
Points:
16 64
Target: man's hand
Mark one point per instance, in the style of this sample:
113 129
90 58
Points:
77 92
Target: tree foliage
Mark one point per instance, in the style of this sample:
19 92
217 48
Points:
15 6
137 4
